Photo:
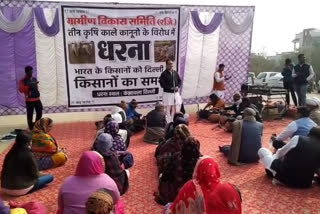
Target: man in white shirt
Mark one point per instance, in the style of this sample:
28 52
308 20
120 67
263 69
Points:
295 163
302 75
301 127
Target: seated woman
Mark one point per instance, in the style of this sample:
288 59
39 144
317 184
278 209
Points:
177 170
45 147
88 178
112 128
246 139
113 167
301 127
20 174
156 123
101 202
124 133
296 163
205 193
178 119
171 146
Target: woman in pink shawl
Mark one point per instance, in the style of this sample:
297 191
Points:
89 177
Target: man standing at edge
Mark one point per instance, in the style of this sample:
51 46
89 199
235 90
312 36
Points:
29 86
302 74
218 82
170 82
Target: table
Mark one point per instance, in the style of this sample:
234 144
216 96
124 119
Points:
271 93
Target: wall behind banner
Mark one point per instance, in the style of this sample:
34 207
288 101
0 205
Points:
231 46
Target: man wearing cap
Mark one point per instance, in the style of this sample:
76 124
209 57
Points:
156 123
295 163
246 139
301 127
313 104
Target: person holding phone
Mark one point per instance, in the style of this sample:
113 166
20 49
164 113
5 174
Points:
29 86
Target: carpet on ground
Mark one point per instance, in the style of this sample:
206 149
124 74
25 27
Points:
258 194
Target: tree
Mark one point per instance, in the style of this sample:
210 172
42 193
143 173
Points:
260 63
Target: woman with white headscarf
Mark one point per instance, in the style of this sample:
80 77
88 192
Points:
313 104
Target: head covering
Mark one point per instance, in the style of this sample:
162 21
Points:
313 102
115 114
158 106
118 144
249 112
103 143
100 202
190 154
115 109
182 132
176 115
112 128
218 198
178 121
90 163
133 103
42 125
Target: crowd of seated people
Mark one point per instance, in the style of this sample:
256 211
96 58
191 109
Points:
189 181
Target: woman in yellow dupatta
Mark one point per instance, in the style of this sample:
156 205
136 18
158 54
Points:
45 147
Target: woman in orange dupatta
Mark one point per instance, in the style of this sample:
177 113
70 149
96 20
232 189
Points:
45 147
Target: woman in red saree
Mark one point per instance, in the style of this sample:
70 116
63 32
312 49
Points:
205 194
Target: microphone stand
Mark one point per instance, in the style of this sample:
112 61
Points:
174 92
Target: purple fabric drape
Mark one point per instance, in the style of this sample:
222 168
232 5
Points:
206 29
42 22
17 51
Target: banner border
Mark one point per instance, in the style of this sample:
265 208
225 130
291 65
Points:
120 8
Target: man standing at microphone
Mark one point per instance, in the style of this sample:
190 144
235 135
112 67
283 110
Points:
29 86
170 82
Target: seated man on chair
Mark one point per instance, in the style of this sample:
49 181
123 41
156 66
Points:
296 163
246 139
301 127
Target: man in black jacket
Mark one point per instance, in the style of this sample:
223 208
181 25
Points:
302 74
296 163
170 82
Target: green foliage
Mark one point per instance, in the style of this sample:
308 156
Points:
260 63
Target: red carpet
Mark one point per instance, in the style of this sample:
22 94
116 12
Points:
258 193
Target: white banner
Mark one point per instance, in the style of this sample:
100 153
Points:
115 54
